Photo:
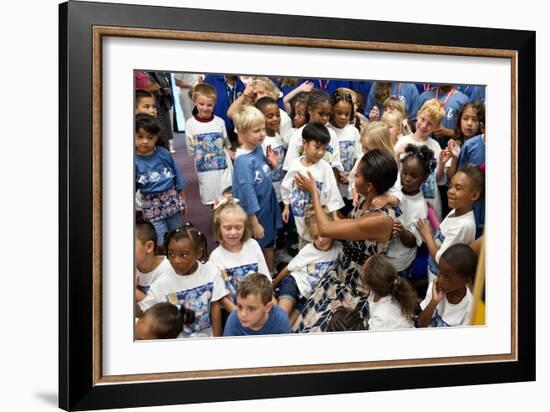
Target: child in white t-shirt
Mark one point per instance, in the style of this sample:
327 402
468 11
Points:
448 299
416 165
300 277
192 284
459 226
207 141
315 141
149 267
392 300
238 254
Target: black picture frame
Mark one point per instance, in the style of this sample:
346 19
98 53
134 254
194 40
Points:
78 389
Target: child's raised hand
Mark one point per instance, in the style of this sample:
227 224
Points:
249 92
306 86
444 156
374 113
380 201
424 228
437 293
443 132
452 146
272 157
397 228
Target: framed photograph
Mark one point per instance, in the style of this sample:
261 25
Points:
103 45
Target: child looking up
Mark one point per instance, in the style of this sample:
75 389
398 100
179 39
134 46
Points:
145 103
163 321
149 267
391 299
416 165
448 299
428 119
301 275
208 143
256 314
252 180
459 226
238 254
315 141
158 179
192 284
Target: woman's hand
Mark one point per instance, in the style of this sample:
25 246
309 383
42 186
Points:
306 183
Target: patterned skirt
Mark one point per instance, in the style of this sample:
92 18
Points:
160 205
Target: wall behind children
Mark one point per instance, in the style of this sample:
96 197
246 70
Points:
29 252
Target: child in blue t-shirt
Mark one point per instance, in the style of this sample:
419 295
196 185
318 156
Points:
256 314
158 179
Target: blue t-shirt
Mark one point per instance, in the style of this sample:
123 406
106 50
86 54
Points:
277 322
253 186
329 86
406 92
475 93
158 172
473 152
225 96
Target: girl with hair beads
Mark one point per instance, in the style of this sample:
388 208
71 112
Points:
238 254
193 284
318 110
392 300
416 165
459 226
163 321
252 180
158 179
348 140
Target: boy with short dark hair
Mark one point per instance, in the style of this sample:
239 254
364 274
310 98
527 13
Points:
255 313
448 299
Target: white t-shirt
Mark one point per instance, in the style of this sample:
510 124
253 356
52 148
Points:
453 230
429 187
349 144
145 280
410 210
294 150
195 291
311 264
300 200
277 174
285 128
207 142
448 314
234 267
386 314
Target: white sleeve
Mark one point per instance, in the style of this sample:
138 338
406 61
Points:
358 146
351 177
460 233
151 299
219 290
333 198
262 265
285 129
424 304
292 150
336 162
189 138
300 261
286 186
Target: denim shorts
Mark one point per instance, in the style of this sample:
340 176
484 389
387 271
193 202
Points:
289 290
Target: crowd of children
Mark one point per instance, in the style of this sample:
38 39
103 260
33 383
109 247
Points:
252 142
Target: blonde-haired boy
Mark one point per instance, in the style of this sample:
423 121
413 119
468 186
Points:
429 118
207 141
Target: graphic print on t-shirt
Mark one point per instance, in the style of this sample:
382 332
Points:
278 172
428 187
347 154
300 200
154 175
437 321
315 271
439 239
233 276
198 300
209 152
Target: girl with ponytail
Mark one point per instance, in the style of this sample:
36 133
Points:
392 300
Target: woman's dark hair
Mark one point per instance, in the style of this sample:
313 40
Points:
316 132
461 259
382 90
168 319
345 319
476 176
379 168
342 96
423 154
479 108
382 278
148 123
188 231
316 98
265 101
